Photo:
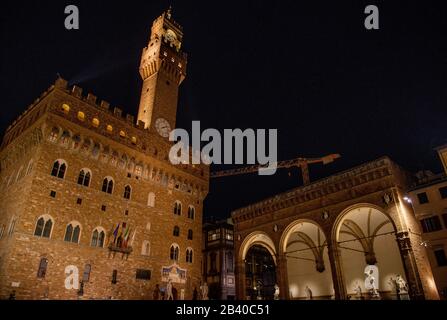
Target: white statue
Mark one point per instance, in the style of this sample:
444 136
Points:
204 290
401 287
276 294
358 291
401 284
169 290
371 281
308 293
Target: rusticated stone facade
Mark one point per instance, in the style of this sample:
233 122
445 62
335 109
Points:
63 127
375 189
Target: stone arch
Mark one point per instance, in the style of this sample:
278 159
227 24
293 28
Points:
304 248
257 238
364 235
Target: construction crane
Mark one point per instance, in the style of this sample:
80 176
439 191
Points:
302 163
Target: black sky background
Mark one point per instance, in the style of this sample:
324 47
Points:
308 68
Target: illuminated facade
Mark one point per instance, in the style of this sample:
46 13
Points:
323 237
429 200
90 205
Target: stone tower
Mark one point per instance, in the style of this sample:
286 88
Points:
162 68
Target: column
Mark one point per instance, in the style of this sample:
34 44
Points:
416 290
337 272
282 277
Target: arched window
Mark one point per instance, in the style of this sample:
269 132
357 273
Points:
109 128
65 138
98 238
148 227
189 253
59 168
72 232
174 252
12 225
122 134
127 192
54 134
86 275
191 212
146 248
84 177
81 116
19 174
65 108
151 199
176 231
178 208
43 227
30 167
95 122
189 234
42 271
107 185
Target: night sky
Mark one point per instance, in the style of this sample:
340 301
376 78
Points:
308 68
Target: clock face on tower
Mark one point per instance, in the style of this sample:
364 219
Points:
163 127
170 35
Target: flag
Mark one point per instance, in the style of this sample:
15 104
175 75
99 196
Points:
133 237
115 233
126 236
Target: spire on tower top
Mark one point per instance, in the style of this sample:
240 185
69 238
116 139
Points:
169 12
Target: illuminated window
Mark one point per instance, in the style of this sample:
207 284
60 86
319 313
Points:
134 140
180 65
109 128
122 134
66 108
95 122
81 116
54 134
165 53
172 60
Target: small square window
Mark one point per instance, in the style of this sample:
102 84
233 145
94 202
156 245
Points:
423 198
129 175
79 201
53 194
126 213
103 208
443 192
